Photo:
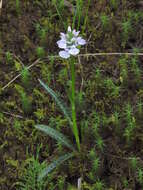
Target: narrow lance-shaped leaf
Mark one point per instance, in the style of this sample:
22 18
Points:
55 135
57 100
54 164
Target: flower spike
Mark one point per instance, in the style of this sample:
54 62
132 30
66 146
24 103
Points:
70 43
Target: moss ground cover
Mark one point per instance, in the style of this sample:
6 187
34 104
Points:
108 94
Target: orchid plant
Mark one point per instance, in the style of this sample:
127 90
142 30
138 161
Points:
70 44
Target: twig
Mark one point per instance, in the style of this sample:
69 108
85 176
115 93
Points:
1 4
13 115
29 67
3 88
112 53
19 60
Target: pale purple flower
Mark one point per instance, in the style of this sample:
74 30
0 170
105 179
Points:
70 43
75 33
62 44
81 41
64 54
73 51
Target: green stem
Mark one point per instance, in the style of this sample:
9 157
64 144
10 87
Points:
86 17
60 16
74 127
77 14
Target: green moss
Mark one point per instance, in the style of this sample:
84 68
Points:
109 93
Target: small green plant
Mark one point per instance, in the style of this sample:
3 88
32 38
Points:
116 120
126 30
96 124
133 163
131 122
123 70
17 125
95 165
135 16
136 70
29 180
40 52
84 130
26 100
100 143
63 75
71 187
40 114
61 182
140 107
46 72
128 112
104 119
41 32
98 75
127 134
99 185
92 154
105 21
26 103
1 118
25 77
111 88
140 176
114 4
125 183
17 5
9 57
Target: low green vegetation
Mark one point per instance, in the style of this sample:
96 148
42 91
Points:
71 109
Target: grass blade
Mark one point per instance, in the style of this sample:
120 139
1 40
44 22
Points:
55 135
54 164
57 100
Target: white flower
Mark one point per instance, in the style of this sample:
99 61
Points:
81 41
69 29
62 44
74 51
70 43
64 54
75 33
